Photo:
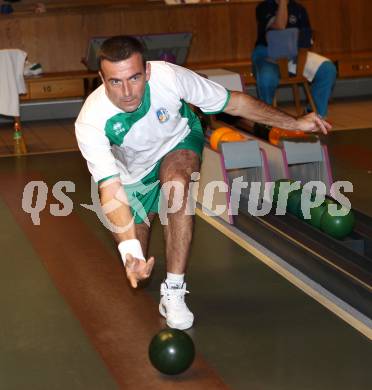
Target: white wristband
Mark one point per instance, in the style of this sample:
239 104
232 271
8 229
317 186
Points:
133 247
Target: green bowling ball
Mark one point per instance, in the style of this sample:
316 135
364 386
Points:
337 226
316 213
299 207
171 351
294 203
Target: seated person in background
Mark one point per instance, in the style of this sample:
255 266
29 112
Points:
279 15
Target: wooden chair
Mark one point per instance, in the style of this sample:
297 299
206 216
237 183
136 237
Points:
295 81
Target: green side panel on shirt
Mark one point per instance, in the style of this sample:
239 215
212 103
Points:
187 112
118 126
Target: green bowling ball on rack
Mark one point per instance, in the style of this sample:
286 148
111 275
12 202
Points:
299 212
337 226
294 203
316 213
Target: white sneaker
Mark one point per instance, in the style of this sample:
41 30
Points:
173 307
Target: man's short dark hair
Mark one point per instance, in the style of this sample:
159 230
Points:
120 48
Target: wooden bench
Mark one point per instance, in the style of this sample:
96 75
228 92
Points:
349 64
59 85
352 64
80 83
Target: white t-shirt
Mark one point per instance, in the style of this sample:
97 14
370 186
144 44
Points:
130 144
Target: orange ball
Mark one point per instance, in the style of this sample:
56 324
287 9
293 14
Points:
216 135
233 136
276 134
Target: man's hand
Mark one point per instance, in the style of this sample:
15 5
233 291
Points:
313 123
138 269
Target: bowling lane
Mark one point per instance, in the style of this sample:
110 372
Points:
85 269
257 329
253 328
42 344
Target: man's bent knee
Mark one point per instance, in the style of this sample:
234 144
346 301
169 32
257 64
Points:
183 178
179 165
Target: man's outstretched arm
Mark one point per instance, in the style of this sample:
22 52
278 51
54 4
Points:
256 110
115 206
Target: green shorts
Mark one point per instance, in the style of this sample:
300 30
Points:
144 196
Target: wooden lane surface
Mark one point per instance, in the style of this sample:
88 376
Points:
120 322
